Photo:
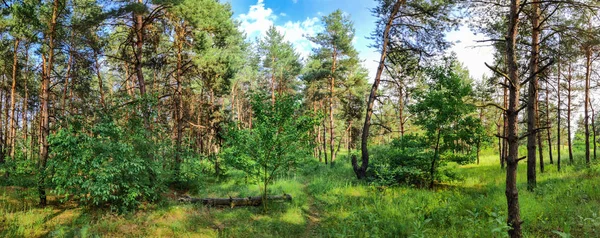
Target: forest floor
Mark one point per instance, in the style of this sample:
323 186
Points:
330 202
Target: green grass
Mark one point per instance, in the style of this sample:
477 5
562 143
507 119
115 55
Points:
330 202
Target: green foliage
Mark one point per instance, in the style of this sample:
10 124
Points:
277 140
406 160
328 204
280 62
107 164
444 113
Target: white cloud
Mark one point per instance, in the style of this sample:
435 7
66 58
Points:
370 59
471 53
295 33
283 14
258 19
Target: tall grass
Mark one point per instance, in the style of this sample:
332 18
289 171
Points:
329 202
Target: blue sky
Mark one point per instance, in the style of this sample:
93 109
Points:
296 18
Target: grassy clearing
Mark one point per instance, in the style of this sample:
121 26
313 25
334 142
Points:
330 202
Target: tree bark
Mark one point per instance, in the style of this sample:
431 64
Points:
273 81
401 109
362 170
180 31
504 128
532 99
26 102
233 202
331 99
569 137
99 76
540 148
558 117
67 76
48 63
548 124
586 116
139 43
512 194
435 158
13 128
593 129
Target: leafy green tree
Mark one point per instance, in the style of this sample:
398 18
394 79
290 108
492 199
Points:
443 111
278 139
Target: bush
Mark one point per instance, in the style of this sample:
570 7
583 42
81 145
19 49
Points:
407 160
108 164
459 158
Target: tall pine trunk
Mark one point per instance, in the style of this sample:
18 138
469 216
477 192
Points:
558 118
48 66
586 116
13 128
569 137
532 99
331 99
512 113
593 129
548 125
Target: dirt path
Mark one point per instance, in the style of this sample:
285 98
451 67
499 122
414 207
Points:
312 216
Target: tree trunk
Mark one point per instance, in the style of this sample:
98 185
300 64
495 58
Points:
593 130
45 97
139 43
13 128
273 81
569 137
532 99
586 116
331 99
67 76
180 31
558 117
362 170
401 109
99 76
26 102
504 128
540 148
324 137
512 194
233 202
2 124
435 158
548 125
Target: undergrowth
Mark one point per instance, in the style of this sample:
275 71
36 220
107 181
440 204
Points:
329 202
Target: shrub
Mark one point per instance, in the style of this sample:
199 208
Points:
108 164
407 160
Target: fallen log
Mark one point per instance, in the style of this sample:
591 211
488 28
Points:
232 202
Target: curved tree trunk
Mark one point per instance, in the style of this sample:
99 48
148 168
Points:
362 170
